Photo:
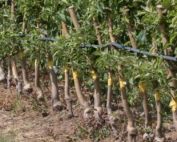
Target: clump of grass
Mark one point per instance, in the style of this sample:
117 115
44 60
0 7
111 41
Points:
92 130
7 138
17 105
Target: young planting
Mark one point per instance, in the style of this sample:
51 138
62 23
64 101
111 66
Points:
107 69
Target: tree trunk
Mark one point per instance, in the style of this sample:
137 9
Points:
56 104
97 94
37 81
142 90
111 117
2 76
87 111
67 96
27 87
98 111
172 67
15 76
2 73
9 78
39 91
97 31
159 135
146 108
68 99
132 132
83 102
74 18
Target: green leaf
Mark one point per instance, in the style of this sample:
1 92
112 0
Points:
63 17
141 38
166 3
65 1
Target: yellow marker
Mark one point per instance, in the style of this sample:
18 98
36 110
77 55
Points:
110 82
94 75
66 69
50 64
36 62
142 87
10 53
75 74
21 54
157 96
122 82
173 105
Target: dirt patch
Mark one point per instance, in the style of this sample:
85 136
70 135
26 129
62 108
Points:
26 120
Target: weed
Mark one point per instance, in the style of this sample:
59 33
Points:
7 138
17 104
40 106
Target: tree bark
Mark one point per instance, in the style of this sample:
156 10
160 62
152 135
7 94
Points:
37 81
132 131
27 87
142 91
56 104
2 73
87 111
111 117
68 98
99 38
74 18
98 111
168 51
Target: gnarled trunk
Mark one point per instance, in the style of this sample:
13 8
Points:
15 76
37 82
132 132
56 104
148 120
159 134
111 117
27 87
68 99
97 97
80 96
83 102
2 76
142 90
9 71
172 67
67 96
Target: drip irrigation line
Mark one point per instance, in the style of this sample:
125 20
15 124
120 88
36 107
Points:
38 37
116 45
130 49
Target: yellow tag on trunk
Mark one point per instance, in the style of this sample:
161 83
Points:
142 87
94 75
21 54
110 82
10 53
75 74
122 82
66 69
36 62
50 64
173 105
157 96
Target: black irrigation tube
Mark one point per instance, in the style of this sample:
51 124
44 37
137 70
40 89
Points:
38 37
109 44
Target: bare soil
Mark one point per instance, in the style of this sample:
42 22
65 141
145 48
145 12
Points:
27 120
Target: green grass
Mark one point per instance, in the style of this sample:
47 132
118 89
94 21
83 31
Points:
6 138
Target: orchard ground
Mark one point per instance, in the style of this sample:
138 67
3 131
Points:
27 120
